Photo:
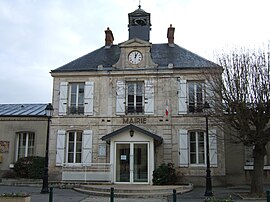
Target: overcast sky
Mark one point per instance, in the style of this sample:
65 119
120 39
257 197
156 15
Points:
37 36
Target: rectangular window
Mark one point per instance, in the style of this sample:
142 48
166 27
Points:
74 147
135 97
249 160
25 144
76 98
195 96
197 148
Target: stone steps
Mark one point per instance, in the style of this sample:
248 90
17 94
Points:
133 191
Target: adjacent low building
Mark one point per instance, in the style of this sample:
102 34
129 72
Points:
23 129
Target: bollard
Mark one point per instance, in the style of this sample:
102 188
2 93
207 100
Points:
51 195
174 195
268 195
112 194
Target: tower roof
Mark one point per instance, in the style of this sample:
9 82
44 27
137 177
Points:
139 12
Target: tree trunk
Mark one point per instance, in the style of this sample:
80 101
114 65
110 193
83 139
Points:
259 152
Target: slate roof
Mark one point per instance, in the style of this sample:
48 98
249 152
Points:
22 110
162 54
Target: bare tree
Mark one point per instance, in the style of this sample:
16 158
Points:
242 103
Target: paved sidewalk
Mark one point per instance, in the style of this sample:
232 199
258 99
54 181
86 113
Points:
69 195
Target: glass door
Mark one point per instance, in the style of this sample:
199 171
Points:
123 162
140 171
132 162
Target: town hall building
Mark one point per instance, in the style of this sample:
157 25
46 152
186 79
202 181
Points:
124 109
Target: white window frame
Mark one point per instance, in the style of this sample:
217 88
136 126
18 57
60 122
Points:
196 84
184 148
18 145
197 148
74 147
87 105
135 84
147 97
62 148
77 97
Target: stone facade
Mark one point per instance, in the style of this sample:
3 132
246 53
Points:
104 119
122 104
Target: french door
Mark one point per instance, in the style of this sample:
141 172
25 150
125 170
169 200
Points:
132 162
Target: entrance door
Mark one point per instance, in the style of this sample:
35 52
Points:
132 162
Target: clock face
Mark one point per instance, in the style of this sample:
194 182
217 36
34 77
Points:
135 57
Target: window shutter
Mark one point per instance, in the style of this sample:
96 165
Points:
213 147
183 148
60 147
120 97
63 98
182 96
88 98
87 147
149 97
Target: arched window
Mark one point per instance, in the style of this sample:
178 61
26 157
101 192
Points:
74 147
197 147
25 144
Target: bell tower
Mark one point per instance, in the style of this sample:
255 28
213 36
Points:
139 24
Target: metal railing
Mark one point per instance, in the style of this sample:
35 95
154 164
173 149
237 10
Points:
86 172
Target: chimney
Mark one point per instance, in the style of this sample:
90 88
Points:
108 37
170 35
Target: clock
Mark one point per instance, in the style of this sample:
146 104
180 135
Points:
135 57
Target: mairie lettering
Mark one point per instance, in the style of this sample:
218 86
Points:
134 120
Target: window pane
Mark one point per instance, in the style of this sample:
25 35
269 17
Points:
71 136
139 103
191 93
201 136
192 136
131 108
195 96
73 94
135 97
193 147
26 143
193 158
70 147
197 147
75 147
201 158
139 89
78 158
191 97
79 136
81 94
199 97
70 157
76 103
131 90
